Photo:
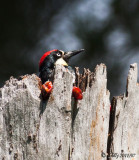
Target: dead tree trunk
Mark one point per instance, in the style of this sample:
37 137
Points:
62 128
123 141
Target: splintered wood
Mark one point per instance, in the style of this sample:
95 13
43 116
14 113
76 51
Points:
124 127
62 128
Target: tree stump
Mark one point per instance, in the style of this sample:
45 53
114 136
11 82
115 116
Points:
62 128
124 121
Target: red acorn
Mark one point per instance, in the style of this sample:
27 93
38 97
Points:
77 93
46 89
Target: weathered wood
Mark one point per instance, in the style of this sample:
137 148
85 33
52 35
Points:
32 128
58 128
62 128
19 118
90 124
124 128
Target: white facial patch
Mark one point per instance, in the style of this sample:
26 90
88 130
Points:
61 62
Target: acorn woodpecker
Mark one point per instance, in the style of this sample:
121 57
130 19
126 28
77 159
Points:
47 65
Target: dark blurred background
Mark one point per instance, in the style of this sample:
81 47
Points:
107 29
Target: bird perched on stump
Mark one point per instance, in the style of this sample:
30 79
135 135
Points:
46 68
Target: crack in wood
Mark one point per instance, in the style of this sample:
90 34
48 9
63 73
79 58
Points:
59 148
110 148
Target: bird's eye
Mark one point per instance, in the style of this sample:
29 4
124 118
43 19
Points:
58 54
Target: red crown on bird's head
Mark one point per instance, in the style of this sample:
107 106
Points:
45 55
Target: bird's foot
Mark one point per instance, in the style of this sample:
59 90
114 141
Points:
77 93
46 89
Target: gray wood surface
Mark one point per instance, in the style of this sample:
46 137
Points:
90 128
125 132
62 128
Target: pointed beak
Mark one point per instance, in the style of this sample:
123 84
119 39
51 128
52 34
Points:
68 55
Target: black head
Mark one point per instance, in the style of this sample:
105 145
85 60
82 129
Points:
50 58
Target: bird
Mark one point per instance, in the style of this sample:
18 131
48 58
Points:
47 65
